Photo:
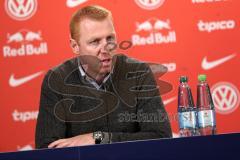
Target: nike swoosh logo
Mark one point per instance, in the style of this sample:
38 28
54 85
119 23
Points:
14 82
74 3
25 148
167 101
175 135
209 65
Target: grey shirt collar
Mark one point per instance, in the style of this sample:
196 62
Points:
91 80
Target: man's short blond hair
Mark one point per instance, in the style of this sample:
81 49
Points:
92 12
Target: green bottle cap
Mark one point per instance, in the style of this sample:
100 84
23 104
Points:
202 77
183 79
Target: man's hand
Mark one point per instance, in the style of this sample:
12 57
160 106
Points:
81 140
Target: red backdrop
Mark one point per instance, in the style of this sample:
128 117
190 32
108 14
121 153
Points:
188 36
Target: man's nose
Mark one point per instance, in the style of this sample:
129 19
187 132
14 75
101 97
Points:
103 47
108 46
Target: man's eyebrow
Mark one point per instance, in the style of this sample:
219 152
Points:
112 34
93 38
98 38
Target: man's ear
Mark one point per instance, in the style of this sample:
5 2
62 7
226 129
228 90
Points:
74 46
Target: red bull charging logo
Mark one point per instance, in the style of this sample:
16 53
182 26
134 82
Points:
24 43
159 31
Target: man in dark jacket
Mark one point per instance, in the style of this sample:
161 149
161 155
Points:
98 96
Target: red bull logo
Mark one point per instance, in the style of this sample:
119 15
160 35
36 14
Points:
159 25
27 42
154 26
16 37
148 26
145 26
31 36
19 37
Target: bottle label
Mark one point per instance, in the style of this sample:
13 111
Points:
206 118
187 119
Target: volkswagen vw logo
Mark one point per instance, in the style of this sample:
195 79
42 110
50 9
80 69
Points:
225 97
20 9
149 4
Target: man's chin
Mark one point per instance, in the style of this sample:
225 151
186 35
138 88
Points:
105 70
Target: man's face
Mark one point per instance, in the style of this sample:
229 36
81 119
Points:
94 39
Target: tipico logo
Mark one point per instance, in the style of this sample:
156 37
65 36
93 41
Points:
225 97
24 43
21 9
215 25
24 116
153 27
206 1
149 4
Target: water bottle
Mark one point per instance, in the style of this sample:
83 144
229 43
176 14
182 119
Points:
186 110
205 107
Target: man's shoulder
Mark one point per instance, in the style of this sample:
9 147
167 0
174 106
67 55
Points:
65 68
131 63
